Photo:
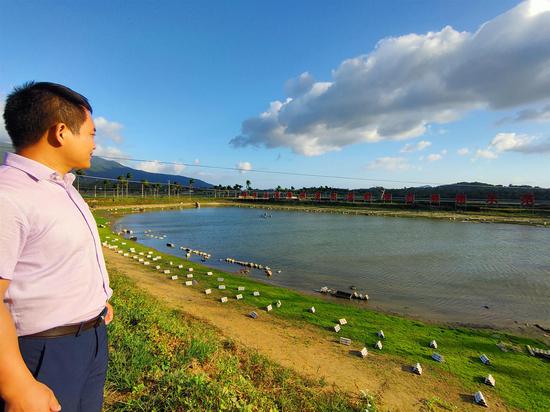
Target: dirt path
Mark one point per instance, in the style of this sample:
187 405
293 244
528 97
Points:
308 350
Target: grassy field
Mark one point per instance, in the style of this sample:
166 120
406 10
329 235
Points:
163 360
521 379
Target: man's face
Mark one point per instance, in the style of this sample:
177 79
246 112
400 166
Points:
80 146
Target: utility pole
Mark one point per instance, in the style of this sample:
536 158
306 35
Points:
168 188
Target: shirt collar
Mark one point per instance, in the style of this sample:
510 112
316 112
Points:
36 169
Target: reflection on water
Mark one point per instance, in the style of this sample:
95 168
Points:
428 268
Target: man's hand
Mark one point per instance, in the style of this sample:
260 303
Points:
18 388
33 397
110 314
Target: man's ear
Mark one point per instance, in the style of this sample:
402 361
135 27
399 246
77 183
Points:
57 134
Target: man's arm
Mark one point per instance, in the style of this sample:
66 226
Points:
20 391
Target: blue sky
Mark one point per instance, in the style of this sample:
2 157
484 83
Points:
374 90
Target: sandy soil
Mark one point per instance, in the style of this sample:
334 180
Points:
308 350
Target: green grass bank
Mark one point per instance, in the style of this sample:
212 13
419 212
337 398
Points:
164 360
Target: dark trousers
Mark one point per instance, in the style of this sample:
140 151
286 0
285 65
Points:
73 367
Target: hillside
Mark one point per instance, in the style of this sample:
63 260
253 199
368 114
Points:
109 169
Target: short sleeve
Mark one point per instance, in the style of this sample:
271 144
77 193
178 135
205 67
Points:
13 234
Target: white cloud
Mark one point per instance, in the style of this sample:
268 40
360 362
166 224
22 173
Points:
409 82
421 145
514 142
197 162
391 164
108 151
108 129
177 169
243 166
153 166
434 157
299 85
463 151
156 166
485 154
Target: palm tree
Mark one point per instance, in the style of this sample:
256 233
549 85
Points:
79 172
191 181
142 181
105 183
120 183
248 183
177 188
128 177
146 185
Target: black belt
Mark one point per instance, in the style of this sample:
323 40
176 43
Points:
70 330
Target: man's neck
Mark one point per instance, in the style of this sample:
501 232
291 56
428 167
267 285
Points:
46 157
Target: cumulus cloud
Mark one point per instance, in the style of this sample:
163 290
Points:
156 166
243 166
421 145
434 157
522 143
108 151
409 82
390 164
485 154
108 129
463 151
197 162
177 169
300 85
529 115
514 142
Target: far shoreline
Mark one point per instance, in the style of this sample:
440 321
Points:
138 204
524 329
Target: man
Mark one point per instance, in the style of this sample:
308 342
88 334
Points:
53 280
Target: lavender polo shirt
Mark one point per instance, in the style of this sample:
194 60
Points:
49 248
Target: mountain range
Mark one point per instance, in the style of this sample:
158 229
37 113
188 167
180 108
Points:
110 169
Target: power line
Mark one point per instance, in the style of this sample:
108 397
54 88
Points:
277 172
272 172
286 173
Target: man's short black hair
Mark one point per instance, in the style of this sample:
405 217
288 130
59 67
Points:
33 108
